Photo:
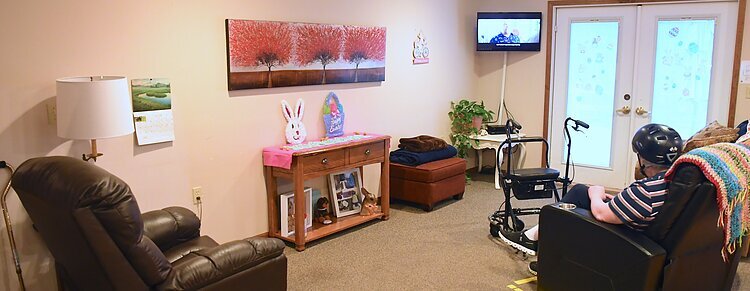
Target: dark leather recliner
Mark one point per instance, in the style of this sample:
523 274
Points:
681 250
91 223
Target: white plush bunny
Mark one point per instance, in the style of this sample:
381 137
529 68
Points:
295 129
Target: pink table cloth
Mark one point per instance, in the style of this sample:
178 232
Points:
281 156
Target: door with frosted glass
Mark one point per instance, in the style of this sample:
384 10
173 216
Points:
593 72
673 66
684 80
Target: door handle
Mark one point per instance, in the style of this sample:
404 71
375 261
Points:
641 111
624 110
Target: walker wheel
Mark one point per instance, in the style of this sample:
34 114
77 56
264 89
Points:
518 224
494 230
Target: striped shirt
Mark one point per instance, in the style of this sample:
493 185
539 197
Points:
639 204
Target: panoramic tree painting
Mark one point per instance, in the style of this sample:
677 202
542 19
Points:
269 54
359 45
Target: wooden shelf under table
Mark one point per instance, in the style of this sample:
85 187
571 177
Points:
320 230
321 162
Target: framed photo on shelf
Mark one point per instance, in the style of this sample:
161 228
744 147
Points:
287 212
345 190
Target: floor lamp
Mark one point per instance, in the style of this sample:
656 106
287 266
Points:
92 108
8 225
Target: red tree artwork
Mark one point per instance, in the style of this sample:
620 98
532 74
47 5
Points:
364 43
319 43
260 43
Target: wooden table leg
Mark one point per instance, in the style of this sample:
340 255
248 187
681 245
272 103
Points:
272 197
385 172
299 206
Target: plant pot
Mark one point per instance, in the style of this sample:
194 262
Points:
476 122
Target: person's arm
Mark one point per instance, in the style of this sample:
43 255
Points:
599 208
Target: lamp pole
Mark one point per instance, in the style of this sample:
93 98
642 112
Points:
94 152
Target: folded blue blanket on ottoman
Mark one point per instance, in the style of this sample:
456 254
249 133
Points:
410 158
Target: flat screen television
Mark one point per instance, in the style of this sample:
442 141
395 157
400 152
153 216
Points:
509 31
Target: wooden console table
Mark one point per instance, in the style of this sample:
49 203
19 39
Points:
321 162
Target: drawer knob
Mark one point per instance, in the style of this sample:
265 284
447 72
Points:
367 152
324 161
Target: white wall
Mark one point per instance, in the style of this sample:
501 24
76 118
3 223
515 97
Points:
524 87
219 134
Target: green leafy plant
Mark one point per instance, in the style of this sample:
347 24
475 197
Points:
462 114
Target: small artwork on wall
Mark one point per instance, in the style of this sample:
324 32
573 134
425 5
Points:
152 110
269 54
421 52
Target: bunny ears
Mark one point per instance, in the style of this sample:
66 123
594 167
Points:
297 113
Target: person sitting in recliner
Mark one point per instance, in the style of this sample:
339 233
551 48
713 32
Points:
657 147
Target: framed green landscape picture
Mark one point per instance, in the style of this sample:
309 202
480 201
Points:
151 94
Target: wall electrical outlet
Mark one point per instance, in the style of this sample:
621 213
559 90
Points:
197 195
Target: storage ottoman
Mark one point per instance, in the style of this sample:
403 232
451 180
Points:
428 183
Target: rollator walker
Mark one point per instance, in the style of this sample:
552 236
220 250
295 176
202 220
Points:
528 183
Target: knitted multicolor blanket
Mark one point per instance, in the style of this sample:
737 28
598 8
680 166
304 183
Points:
727 166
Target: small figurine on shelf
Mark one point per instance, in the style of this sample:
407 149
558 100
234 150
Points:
321 211
370 203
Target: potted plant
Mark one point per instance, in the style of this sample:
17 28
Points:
466 120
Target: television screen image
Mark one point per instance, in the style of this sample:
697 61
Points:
509 31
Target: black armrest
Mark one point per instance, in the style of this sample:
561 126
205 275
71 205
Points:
578 252
171 226
202 268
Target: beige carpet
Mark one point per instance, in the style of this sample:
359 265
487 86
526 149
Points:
447 249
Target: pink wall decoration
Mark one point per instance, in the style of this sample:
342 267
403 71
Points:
269 54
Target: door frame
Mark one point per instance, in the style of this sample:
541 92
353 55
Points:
552 5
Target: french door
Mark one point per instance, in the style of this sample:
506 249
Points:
620 67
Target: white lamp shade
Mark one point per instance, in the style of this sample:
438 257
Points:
93 107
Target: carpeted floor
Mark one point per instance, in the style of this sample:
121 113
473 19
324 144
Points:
447 249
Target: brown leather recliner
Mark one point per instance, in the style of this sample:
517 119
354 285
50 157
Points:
681 250
91 223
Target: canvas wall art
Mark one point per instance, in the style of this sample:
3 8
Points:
270 54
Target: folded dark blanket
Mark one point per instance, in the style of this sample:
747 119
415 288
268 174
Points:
422 143
410 158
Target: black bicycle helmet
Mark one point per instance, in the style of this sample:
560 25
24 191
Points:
657 143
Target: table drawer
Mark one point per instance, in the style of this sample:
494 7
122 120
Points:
323 161
366 152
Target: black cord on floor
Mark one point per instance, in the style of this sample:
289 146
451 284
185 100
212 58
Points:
200 209
507 112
